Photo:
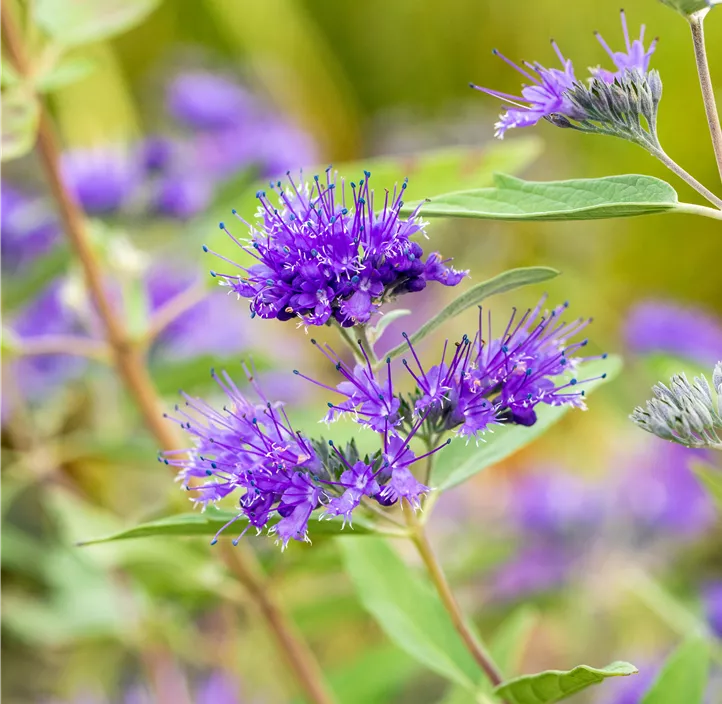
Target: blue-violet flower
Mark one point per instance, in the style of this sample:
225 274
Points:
321 255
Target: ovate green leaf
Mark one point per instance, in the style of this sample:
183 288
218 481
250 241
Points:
582 199
408 610
73 22
555 685
507 281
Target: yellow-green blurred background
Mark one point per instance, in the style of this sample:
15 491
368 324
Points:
365 79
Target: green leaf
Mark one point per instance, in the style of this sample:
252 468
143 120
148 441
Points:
374 678
689 7
555 685
460 461
683 677
711 479
209 522
507 281
20 114
386 320
74 22
512 636
67 71
408 610
582 199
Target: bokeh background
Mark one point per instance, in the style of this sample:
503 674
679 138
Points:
603 533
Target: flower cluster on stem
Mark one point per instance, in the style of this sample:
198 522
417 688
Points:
324 251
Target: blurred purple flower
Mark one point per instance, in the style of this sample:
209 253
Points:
660 493
156 152
203 100
671 328
215 314
218 688
236 129
182 195
29 228
534 569
712 601
556 505
103 179
270 147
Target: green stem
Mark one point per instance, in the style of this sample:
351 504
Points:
433 567
696 21
350 342
701 210
363 338
373 508
673 166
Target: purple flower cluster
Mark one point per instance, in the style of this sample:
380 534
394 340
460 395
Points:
284 477
496 380
324 253
547 96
